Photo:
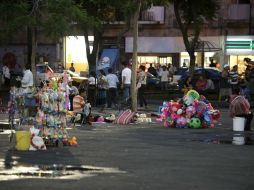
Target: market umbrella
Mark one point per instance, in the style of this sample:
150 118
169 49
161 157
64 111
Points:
206 46
79 79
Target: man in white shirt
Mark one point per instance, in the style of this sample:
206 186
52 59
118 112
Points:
28 79
112 87
126 81
171 69
92 82
164 74
7 76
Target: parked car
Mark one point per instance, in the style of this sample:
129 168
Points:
152 82
181 71
213 74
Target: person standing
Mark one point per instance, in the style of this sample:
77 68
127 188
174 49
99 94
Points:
72 67
92 83
225 88
112 87
233 77
7 76
152 70
28 79
171 69
126 81
164 74
240 107
142 86
102 89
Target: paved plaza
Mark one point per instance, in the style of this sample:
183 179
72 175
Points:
144 156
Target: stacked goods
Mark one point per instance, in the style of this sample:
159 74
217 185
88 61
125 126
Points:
191 111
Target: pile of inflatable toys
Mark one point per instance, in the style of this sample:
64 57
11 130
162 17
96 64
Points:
191 111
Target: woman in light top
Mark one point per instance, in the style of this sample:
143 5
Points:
142 86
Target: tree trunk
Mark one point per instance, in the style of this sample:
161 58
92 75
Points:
134 58
33 51
192 63
92 56
29 45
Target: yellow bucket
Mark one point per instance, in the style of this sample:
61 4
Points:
23 140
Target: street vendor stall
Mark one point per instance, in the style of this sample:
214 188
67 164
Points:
42 113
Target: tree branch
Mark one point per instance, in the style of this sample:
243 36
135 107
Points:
184 29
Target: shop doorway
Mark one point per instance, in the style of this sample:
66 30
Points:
239 60
75 52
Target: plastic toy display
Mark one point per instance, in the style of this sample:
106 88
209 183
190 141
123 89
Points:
191 111
47 124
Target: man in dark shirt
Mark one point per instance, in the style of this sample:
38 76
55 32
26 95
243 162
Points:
152 70
72 67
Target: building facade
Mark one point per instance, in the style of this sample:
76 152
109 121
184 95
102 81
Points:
160 40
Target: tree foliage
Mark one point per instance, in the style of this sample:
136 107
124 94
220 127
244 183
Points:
191 16
53 17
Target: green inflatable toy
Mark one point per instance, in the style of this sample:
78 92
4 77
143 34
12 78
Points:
195 123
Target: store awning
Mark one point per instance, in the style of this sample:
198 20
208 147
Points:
109 58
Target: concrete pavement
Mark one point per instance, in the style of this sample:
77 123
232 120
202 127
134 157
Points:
145 156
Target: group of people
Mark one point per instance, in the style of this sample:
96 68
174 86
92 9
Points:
230 79
163 72
102 90
203 85
27 80
237 89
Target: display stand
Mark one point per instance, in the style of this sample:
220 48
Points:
51 116
43 110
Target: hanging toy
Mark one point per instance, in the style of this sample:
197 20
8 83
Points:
54 85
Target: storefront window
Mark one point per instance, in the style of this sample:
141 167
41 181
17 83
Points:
185 59
239 60
147 60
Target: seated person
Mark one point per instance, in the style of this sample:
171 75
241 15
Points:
73 91
201 84
80 105
240 107
244 90
187 85
209 84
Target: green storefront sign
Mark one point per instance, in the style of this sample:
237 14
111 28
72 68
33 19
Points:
248 45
